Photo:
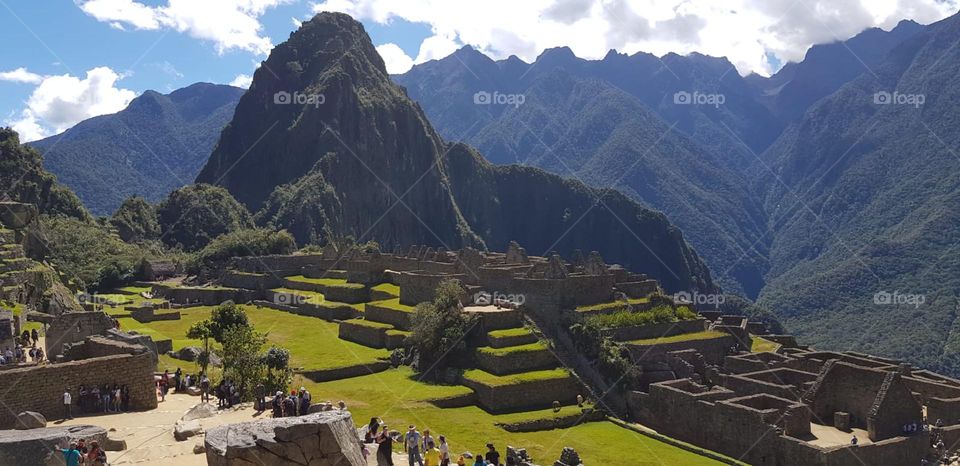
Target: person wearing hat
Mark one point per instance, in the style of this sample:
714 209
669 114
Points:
305 400
411 445
278 404
71 456
96 456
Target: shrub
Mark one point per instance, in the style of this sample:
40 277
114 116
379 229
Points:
626 318
194 215
440 330
242 243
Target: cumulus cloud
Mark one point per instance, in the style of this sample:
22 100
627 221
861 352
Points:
242 80
59 102
395 58
229 24
20 75
756 35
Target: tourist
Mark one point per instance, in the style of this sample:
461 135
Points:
177 375
372 429
411 445
35 336
83 402
854 440
342 405
260 397
278 405
82 446
105 398
289 407
67 404
96 456
39 355
295 402
462 460
492 456
479 461
305 399
427 439
95 398
431 455
116 398
125 398
444 452
164 384
8 355
71 456
579 401
204 388
384 448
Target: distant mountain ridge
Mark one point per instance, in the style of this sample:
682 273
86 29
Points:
365 162
155 145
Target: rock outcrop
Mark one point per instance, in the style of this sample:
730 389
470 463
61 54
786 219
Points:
321 439
35 446
30 420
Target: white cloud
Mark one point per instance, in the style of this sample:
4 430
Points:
59 102
20 75
242 80
229 24
395 58
744 31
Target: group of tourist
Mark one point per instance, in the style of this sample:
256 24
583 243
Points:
80 453
421 448
103 399
227 393
297 403
25 349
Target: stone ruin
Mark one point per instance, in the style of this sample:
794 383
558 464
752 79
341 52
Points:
594 265
556 270
568 457
320 439
35 446
516 255
518 457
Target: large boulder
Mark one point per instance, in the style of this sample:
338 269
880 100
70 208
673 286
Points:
183 430
200 411
35 446
17 215
321 439
30 420
189 353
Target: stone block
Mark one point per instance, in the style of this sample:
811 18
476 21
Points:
30 420
841 421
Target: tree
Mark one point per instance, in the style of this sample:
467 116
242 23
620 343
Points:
440 330
201 331
194 215
277 360
136 220
224 317
243 361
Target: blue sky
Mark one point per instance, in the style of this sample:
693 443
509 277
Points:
62 61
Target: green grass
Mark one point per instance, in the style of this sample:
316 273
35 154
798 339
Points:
394 304
337 282
538 346
368 323
704 335
399 399
313 343
394 331
761 345
612 305
314 297
626 318
509 333
388 288
490 380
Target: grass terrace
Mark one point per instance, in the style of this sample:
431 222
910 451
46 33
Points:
532 347
394 304
509 333
657 315
762 345
400 399
368 323
388 288
312 342
704 335
490 380
339 282
601 307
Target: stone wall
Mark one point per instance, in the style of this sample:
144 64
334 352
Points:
211 296
515 362
397 318
639 289
40 388
249 281
665 329
74 327
416 287
338 373
524 396
713 350
340 312
145 314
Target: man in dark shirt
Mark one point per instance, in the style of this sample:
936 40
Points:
493 456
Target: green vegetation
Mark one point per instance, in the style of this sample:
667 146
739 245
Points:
600 307
704 335
490 380
508 333
24 180
387 288
762 345
657 315
193 216
532 347
136 221
322 281
368 323
394 304
241 243
440 330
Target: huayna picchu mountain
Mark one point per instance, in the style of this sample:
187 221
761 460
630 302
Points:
325 144
154 146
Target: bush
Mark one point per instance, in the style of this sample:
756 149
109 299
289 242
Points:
440 330
136 221
626 318
612 359
192 216
242 243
